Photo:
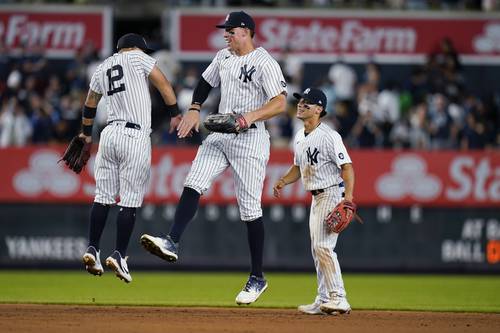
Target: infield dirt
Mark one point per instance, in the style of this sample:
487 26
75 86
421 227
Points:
71 318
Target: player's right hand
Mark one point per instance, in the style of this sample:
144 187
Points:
190 121
277 187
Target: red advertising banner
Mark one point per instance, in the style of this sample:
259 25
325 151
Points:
60 30
358 36
402 178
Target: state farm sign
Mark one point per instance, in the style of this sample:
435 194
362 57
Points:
59 30
360 36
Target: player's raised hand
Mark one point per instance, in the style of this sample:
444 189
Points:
190 121
174 123
277 187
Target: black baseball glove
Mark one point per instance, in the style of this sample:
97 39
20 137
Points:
226 123
77 154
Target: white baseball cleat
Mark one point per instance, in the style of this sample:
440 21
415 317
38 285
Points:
92 261
254 287
119 265
336 304
312 309
164 248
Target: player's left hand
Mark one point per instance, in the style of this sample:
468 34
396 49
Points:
190 121
277 187
174 123
247 121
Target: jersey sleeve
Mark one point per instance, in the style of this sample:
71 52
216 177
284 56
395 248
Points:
340 154
211 73
95 83
295 153
273 81
143 62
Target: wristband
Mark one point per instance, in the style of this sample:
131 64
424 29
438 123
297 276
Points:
89 112
87 130
194 109
173 110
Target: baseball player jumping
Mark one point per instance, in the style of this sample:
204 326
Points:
252 85
322 161
123 162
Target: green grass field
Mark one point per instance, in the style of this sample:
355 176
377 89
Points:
365 291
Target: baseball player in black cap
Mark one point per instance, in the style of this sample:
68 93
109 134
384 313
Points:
132 40
252 87
322 162
123 162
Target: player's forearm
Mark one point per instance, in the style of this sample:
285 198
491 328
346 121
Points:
347 174
89 112
166 90
272 108
291 176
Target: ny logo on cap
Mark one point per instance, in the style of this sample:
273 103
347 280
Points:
307 91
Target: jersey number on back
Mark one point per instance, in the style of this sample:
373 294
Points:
115 74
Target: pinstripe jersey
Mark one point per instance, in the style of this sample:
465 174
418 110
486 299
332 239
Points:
247 82
319 156
122 79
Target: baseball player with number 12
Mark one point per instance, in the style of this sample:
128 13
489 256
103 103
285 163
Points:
253 88
322 161
123 161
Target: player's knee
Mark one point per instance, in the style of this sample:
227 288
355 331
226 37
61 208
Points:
322 252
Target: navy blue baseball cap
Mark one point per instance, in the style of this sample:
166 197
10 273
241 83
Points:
238 20
313 96
133 40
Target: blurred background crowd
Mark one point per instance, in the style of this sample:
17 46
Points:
433 108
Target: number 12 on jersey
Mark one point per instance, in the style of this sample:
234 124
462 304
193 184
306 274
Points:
115 74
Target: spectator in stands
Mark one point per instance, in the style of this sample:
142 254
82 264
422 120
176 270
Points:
15 127
440 124
344 80
419 135
43 123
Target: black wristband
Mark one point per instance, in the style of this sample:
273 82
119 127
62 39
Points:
87 130
173 110
194 109
89 112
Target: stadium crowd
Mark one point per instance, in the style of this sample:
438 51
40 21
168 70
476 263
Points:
41 102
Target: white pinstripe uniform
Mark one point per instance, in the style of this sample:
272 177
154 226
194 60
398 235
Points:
247 83
123 162
319 156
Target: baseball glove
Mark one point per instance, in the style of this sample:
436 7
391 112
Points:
77 154
226 123
340 217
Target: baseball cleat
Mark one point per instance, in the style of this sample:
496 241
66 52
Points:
164 248
119 265
312 309
254 287
336 304
92 261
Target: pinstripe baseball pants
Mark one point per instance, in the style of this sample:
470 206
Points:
323 244
246 154
123 165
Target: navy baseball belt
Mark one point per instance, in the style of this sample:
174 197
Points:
128 125
321 190
253 126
